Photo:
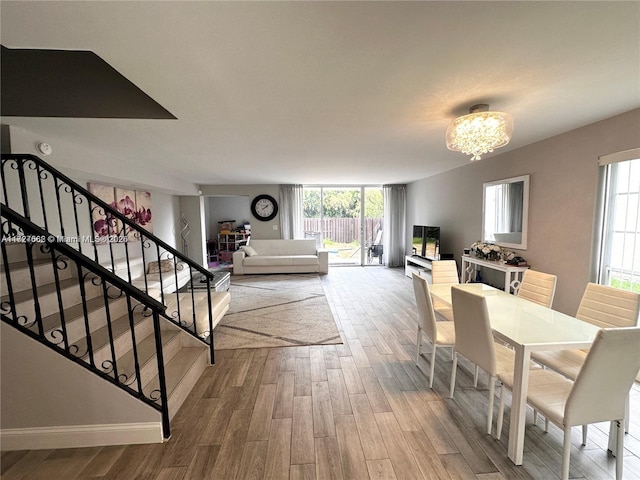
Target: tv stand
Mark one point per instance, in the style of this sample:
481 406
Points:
419 265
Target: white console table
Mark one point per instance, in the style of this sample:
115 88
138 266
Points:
512 274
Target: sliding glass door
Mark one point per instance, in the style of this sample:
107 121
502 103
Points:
347 221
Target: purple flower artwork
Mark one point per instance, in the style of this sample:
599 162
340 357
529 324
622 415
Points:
135 205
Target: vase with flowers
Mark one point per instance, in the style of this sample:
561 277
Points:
487 251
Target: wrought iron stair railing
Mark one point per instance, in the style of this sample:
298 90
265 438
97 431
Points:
71 213
66 302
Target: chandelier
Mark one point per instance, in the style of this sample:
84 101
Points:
479 132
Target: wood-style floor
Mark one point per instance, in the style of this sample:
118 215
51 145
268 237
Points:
354 411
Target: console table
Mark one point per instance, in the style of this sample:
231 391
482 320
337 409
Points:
512 274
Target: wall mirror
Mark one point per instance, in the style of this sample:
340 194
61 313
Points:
505 212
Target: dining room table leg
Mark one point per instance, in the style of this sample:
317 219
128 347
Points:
519 403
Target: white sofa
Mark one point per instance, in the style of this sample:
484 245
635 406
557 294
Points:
281 256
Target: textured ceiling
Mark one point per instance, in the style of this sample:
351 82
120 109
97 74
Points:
333 92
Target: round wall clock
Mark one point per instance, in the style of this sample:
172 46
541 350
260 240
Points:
264 207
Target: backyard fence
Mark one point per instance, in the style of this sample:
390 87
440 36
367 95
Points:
342 230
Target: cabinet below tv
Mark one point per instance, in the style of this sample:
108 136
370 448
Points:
421 265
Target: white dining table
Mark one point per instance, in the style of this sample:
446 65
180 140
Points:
527 327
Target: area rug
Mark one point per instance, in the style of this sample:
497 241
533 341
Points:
276 311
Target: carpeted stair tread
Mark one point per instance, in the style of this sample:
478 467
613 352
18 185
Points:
73 313
119 326
176 368
46 289
146 352
24 264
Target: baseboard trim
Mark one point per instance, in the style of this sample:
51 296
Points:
80 436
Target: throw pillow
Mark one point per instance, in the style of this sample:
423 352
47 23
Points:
249 251
161 266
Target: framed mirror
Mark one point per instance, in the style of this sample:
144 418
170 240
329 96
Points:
505 212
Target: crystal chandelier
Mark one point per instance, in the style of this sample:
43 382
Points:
480 131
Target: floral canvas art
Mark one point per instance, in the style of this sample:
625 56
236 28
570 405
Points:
135 205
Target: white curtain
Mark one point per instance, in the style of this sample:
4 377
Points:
395 206
291 215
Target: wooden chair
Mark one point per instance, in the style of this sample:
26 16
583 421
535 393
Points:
474 341
599 393
441 334
538 287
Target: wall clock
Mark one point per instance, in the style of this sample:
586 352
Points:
264 207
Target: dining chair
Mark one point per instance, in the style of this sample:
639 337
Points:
444 271
474 341
538 287
599 393
440 334
603 306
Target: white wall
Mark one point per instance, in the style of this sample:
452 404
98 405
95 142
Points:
42 389
259 229
193 210
222 208
562 202
104 167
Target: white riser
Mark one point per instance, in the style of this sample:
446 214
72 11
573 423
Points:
17 252
97 319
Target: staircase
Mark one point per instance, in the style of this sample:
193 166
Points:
67 298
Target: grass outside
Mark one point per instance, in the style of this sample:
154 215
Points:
625 284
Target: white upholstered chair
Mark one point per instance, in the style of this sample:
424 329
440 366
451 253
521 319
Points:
605 307
441 334
538 287
599 393
444 271
474 341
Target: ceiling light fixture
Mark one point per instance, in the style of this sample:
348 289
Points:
480 131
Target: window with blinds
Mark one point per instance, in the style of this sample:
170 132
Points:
619 264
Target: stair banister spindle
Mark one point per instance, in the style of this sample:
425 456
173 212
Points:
40 172
193 303
112 348
7 276
56 276
34 286
85 312
57 186
75 199
93 232
210 309
134 344
161 374
23 190
144 264
160 272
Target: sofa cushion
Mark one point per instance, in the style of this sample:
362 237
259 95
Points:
250 251
160 266
305 260
284 247
268 260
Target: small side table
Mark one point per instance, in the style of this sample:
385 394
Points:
220 283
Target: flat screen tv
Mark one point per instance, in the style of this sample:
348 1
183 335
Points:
426 242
